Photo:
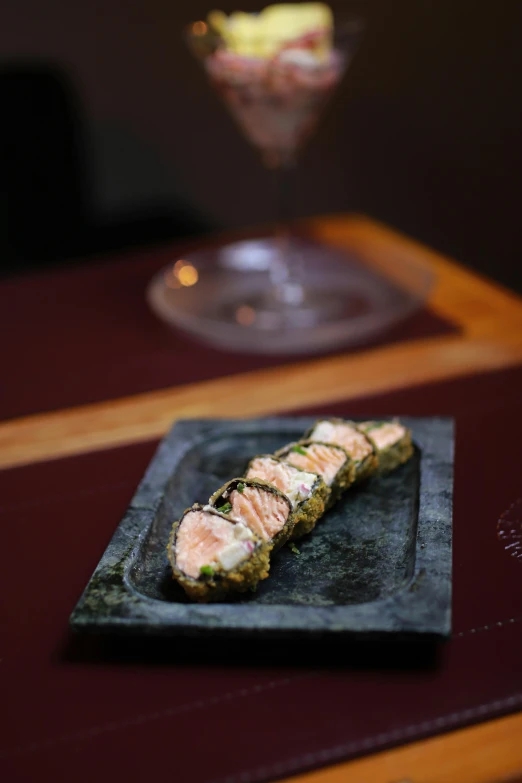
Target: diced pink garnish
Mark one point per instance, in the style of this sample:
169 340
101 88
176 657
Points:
304 489
249 546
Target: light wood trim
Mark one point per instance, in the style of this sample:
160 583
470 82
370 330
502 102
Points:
459 295
488 753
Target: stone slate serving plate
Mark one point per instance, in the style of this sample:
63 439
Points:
379 562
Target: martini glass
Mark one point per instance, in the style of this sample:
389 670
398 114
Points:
284 293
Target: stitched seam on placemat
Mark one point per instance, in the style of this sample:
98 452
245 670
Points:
488 627
369 743
150 716
200 704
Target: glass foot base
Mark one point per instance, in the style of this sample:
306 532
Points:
225 296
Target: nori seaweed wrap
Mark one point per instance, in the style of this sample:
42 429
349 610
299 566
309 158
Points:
259 505
306 491
353 440
392 441
213 556
331 462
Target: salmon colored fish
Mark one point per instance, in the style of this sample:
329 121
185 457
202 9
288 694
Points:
205 539
384 433
318 458
296 484
343 434
264 512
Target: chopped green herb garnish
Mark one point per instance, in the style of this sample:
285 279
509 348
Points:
225 508
299 450
376 425
240 488
292 547
206 570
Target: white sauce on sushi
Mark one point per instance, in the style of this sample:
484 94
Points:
294 483
233 554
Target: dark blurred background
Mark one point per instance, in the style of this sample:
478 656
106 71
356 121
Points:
111 138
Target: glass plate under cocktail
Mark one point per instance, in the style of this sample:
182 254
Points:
283 294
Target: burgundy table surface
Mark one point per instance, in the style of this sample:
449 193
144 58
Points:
92 327
86 710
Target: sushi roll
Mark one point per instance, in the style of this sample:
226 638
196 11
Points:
213 556
330 462
392 441
354 441
258 505
306 491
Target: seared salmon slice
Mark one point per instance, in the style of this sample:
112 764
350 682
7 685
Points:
263 511
384 433
206 539
343 434
296 484
317 458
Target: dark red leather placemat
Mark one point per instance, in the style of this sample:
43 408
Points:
93 711
93 324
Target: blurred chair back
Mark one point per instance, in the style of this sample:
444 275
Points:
43 201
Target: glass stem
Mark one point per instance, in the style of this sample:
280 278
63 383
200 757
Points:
284 273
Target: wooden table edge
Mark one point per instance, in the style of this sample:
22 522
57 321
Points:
488 752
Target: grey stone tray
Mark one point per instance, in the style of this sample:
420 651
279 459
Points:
378 563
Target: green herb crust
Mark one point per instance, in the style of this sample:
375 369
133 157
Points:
310 510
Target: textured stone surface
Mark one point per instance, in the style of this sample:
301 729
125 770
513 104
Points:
378 562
